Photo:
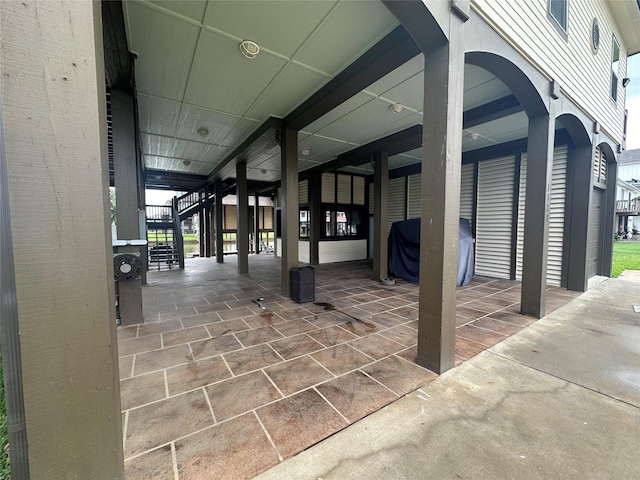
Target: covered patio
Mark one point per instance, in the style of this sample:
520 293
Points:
214 382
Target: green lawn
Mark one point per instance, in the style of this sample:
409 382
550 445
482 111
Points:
626 256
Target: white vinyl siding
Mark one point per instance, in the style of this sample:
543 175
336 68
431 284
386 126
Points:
571 61
396 201
494 217
555 249
342 251
466 192
414 204
304 251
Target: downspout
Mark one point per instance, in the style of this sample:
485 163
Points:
10 333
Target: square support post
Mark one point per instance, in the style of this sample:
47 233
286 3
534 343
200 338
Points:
125 179
315 211
441 166
242 206
536 215
54 217
256 223
217 191
289 210
380 247
580 186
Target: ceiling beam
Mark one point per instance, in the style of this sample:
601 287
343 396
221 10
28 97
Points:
491 111
391 52
117 59
411 138
165 180
399 142
259 142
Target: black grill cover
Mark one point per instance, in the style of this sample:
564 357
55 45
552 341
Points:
404 251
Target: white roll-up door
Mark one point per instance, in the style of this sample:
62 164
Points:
555 250
556 218
521 197
494 217
466 192
396 202
414 190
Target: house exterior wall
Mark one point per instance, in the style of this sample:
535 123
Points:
584 76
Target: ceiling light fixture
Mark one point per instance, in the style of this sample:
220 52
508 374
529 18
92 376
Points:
203 131
396 107
249 49
263 171
473 136
305 152
186 162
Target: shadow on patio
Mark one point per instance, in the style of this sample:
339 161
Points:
214 386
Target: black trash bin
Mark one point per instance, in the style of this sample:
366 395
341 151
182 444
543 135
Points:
303 287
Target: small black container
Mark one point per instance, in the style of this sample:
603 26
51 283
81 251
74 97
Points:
303 288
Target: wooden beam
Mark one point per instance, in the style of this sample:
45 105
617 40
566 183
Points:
385 56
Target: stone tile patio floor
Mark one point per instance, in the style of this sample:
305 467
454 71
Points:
214 386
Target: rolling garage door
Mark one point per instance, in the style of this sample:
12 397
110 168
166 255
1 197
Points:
396 201
494 217
556 219
414 190
466 192
595 218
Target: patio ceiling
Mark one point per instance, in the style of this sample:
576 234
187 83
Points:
191 75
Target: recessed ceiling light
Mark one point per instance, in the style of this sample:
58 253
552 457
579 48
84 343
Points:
305 152
396 107
186 162
203 131
263 171
249 49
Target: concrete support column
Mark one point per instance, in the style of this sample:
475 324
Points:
56 223
217 191
290 215
242 206
580 186
256 223
441 164
608 222
380 250
127 193
317 219
536 215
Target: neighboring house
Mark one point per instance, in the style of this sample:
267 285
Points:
628 196
508 113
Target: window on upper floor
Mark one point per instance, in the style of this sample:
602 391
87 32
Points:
615 68
559 10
